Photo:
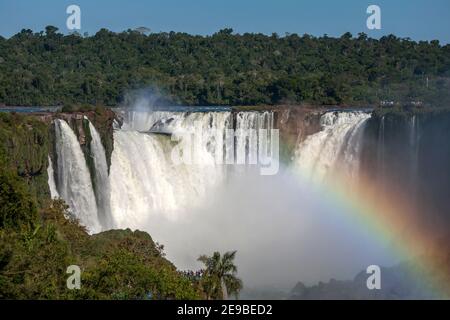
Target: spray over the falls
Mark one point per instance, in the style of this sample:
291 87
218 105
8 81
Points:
283 228
146 182
228 207
101 179
74 181
336 146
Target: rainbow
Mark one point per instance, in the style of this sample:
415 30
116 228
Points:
388 222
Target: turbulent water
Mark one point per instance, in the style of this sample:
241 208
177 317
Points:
74 182
175 175
51 180
102 188
145 178
337 146
163 163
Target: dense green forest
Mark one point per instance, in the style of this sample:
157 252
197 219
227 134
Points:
39 238
49 68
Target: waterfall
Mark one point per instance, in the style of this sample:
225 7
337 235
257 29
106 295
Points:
51 180
145 179
338 143
206 204
101 182
248 125
143 121
145 176
74 183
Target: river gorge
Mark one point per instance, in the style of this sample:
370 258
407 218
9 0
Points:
350 183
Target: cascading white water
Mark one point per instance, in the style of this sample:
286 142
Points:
248 125
73 178
101 183
143 121
198 208
337 143
144 179
147 180
51 180
201 208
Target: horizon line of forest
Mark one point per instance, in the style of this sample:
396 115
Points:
48 68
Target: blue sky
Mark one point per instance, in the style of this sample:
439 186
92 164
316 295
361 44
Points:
417 19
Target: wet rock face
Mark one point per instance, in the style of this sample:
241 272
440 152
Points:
410 153
295 124
102 120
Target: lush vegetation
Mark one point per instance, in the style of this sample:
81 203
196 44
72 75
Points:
48 68
24 148
219 279
36 249
39 238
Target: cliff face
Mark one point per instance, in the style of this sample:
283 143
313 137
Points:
295 124
24 149
102 120
410 150
26 141
38 242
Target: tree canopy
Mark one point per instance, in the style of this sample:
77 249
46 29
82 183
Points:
49 68
39 238
219 279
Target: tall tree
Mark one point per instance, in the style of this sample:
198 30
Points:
219 280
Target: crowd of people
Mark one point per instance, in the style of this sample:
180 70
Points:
192 275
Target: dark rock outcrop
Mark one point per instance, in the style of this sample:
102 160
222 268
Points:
397 283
